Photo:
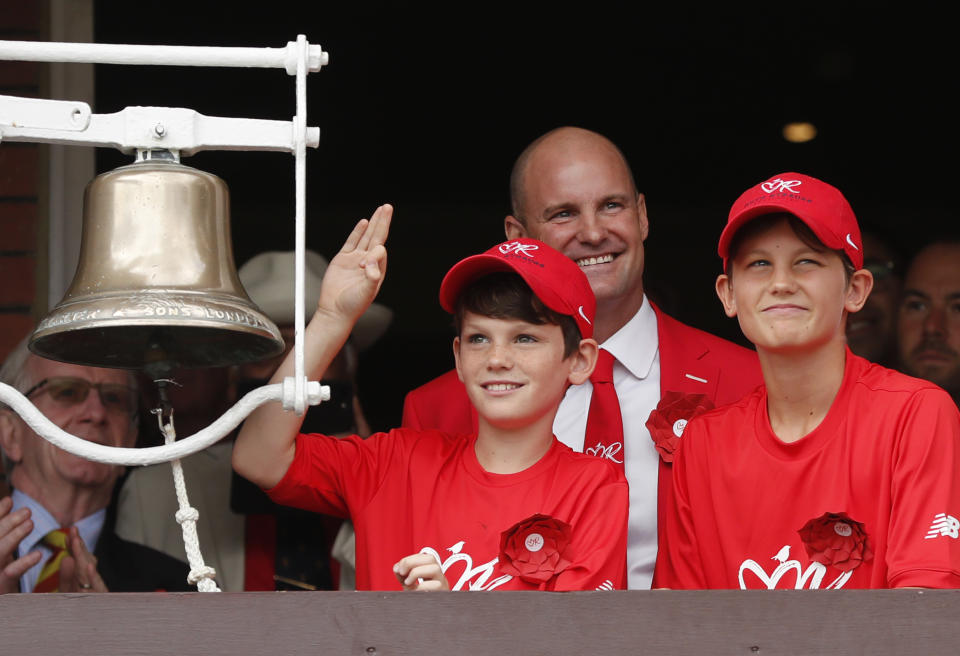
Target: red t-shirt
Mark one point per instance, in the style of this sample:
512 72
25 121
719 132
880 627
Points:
887 455
411 491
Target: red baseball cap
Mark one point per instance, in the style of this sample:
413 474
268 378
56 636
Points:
555 279
820 206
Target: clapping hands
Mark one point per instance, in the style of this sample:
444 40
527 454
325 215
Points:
78 569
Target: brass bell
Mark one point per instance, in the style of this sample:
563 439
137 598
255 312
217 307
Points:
156 286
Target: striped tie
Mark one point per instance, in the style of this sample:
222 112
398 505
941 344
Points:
49 580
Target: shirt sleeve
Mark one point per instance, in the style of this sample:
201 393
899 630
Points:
599 542
679 566
336 476
924 535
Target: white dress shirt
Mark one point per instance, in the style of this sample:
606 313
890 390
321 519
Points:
636 377
43 522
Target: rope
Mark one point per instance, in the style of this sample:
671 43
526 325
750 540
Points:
200 575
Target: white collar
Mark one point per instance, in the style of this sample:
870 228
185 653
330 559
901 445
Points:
636 344
89 527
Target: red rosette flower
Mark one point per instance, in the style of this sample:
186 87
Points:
669 419
536 548
837 540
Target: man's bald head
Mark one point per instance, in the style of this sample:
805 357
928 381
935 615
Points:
573 190
561 143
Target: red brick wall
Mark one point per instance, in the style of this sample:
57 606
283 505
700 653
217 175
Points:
19 185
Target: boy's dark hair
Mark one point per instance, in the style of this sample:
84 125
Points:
505 295
800 229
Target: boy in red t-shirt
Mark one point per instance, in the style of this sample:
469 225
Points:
836 472
508 508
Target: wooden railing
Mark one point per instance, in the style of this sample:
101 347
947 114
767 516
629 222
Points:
499 623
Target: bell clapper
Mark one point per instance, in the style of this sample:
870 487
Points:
164 409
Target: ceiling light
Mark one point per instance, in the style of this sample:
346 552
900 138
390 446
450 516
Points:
799 132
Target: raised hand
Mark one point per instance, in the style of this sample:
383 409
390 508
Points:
420 572
265 446
14 527
354 276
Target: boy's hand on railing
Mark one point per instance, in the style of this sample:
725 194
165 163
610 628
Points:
420 572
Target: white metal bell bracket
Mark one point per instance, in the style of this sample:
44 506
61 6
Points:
185 131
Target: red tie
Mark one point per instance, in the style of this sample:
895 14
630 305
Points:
604 437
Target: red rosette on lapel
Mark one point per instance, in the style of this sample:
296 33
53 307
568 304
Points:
668 420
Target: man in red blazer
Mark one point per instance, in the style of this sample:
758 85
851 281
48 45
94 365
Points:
574 190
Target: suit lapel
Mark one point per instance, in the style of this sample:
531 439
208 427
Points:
685 362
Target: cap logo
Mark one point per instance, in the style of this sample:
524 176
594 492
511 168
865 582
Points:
772 186
850 241
517 247
582 314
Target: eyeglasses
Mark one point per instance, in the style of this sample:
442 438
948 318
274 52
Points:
68 391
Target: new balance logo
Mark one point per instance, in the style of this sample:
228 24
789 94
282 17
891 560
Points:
772 186
518 248
945 526
606 585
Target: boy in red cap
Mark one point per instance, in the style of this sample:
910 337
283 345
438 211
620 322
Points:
510 508
836 472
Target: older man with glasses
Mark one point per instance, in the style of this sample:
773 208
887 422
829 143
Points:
56 527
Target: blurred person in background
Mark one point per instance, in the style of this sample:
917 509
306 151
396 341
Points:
872 332
928 326
57 527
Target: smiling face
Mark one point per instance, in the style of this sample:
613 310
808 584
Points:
928 326
515 372
788 295
44 467
576 194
